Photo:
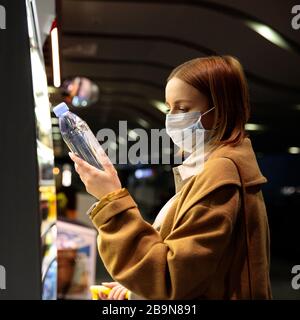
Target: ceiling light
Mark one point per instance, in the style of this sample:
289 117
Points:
294 150
143 123
55 58
113 145
254 127
288 190
161 106
297 107
122 140
132 134
269 34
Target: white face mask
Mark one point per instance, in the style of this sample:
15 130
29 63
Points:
186 129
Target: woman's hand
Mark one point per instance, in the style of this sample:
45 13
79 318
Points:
97 182
118 292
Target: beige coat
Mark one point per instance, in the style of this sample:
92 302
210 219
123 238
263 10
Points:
212 244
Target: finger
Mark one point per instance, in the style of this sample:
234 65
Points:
102 296
110 284
79 162
73 156
105 161
83 168
117 292
80 171
76 167
122 294
112 293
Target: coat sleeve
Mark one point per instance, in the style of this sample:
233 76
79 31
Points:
177 267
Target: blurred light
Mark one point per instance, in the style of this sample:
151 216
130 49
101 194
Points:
55 58
54 120
51 89
269 34
143 173
143 123
75 101
288 190
39 82
67 175
113 145
56 171
161 106
254 127
294 150
55 130
132 134
297 107
121 140
56 136
80 91
44 152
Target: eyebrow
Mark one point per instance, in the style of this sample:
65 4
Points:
177 101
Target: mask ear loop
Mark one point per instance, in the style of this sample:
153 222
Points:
207 111
204 113
198 123
201 115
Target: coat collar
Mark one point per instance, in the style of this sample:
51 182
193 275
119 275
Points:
219 170
190 167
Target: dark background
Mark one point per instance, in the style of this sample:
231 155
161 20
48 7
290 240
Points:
19 218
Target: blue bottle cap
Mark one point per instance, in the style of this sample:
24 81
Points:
60 109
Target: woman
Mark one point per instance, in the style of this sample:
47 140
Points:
211 240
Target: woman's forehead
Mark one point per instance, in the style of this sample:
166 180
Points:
177 89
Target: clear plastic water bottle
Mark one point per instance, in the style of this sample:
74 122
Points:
78 136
